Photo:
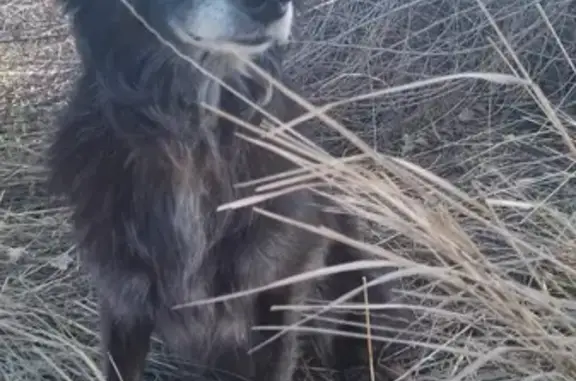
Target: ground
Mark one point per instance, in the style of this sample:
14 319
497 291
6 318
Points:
489 244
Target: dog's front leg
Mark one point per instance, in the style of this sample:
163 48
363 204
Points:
276 360
126 327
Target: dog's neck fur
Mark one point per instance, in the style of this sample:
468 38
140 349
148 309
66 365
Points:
185 81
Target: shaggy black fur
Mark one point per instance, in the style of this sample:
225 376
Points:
144 171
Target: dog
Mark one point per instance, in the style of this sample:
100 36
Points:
144 168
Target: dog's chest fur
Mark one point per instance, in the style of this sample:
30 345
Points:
164 211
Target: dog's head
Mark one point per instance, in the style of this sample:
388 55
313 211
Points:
111 36
241 26
246 27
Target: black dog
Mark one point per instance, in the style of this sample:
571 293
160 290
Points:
145 167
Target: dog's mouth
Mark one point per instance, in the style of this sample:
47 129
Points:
249 38
245 46
251 41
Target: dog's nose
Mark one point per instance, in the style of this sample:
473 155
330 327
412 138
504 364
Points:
267 10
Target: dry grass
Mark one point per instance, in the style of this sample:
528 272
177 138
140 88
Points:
470 193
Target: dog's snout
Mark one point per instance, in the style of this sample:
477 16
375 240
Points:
267 10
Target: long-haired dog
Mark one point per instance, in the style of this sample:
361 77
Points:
145 167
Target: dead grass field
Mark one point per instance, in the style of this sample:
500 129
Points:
471 195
